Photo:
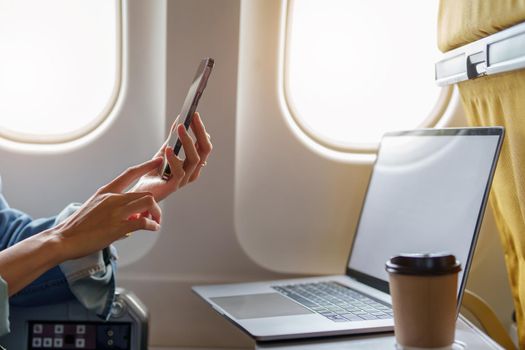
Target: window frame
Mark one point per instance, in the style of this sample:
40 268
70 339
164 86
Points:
436 113
52 139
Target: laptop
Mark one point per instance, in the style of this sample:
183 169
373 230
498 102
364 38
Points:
427 193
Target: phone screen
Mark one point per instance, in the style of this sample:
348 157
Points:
188 108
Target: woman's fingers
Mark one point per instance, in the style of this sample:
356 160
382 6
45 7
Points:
176 167
141 223
192 156
135 204
121 182
203 145
145 203
203 139
162 149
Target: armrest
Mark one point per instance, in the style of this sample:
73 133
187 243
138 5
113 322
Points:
481 310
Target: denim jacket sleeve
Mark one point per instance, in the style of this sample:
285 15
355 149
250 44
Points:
90 279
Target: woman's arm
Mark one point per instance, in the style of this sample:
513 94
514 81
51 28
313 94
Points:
101 220
25 261
105 217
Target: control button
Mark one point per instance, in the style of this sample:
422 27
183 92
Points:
48 342
58 342
110 342
37 342
110 333
38 328
59 329
81 329
118 309
80 343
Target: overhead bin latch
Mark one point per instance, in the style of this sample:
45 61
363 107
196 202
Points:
500 52
477 65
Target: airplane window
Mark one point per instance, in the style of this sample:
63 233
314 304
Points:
59 67
355 69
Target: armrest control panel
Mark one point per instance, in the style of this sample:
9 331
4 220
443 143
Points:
69 325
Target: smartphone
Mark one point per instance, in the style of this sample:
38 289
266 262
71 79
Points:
188 109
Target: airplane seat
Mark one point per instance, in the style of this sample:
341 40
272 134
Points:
484 45
69 325
486 316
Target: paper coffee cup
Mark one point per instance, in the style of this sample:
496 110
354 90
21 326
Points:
424 295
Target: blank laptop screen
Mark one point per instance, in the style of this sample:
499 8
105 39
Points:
426 194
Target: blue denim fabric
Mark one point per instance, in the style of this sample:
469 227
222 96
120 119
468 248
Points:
52 286
97 292
91 279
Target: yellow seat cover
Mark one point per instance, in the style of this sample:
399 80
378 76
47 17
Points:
496 100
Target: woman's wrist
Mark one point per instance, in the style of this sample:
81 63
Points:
25 261
53 245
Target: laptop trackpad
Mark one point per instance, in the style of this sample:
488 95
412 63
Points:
259 305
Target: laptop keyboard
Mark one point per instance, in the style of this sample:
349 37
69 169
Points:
336 301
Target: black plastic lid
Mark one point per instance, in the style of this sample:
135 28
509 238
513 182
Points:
423 264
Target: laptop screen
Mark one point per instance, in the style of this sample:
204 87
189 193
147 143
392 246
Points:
427 193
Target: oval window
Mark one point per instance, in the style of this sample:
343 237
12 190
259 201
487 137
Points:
356 69
59 67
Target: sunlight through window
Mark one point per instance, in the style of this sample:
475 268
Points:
355 69
59 67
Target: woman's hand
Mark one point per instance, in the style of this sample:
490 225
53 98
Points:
182 172
110 214
104 218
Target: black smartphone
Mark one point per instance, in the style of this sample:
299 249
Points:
188 108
